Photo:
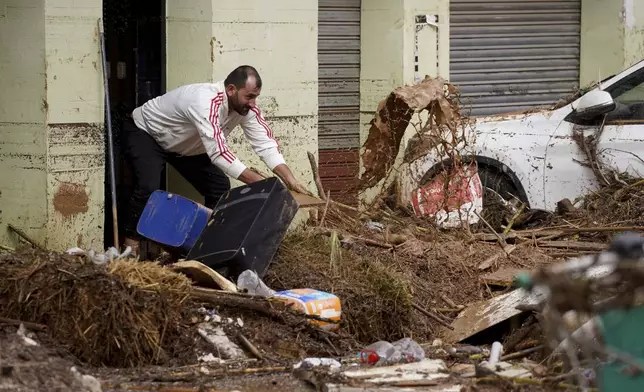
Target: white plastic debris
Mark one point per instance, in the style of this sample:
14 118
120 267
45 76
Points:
22 332
209 358
217 337
250 281
75 251
310 363
495 353
377 226
110 254
90 383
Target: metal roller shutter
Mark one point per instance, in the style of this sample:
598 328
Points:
339 94
511 55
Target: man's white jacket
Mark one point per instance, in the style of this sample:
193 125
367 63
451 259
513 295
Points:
194 119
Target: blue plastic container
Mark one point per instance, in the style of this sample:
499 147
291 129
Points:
173 220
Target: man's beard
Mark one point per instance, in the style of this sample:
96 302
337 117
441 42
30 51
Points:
242 110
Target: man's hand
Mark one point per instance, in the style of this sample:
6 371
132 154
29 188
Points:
289 180
248 177
299 188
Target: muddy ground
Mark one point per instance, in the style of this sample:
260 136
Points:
26 367
41 367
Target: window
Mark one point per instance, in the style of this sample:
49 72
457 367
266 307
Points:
629 98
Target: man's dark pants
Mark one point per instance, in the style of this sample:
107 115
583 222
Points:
147 159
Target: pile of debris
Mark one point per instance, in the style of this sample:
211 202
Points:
421 305
122 314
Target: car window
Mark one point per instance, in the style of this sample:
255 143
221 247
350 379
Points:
629 99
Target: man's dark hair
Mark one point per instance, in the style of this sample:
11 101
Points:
240 75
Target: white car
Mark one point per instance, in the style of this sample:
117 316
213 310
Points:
534 155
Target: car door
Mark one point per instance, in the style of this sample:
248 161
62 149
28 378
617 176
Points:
621 145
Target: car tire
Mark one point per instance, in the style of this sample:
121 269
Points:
497 181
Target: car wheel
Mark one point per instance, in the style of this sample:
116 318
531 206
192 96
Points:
498 193
497 182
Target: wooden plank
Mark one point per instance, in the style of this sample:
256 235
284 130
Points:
578 245
482 315
307 201
488 313
502 277
345 388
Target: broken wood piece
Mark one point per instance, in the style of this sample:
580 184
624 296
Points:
203 275
489 262
524 331
432 316
348 237
316 175
485 314
525 234
450 302
8 249
326 209
503 277
374 243
577 245
250 347
502 242
305 201
522 353
270 307
24 236
557 232
396 239
513 219
427 372
572 253
27 324
143 377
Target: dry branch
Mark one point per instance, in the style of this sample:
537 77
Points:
316 176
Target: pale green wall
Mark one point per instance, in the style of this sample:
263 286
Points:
75 134
279 38
23 145
51 145
612 37
387 54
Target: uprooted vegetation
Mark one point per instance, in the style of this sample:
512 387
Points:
443 130
121 315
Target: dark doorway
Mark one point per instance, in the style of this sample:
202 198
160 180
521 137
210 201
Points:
135 48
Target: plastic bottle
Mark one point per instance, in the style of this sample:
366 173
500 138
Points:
410 351
385 353
250 281
377 353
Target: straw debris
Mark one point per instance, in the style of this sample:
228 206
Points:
376 299
130 314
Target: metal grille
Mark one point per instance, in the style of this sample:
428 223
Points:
339 96
512 55
339 73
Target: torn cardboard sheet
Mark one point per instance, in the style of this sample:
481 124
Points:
392 119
